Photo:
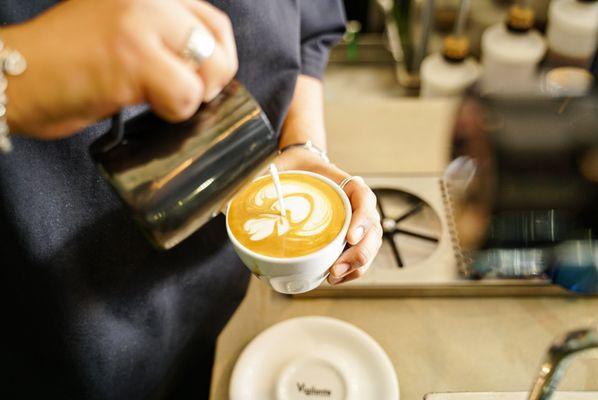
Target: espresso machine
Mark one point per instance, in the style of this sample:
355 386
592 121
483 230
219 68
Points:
523 186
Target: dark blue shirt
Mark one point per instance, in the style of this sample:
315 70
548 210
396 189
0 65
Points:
91 309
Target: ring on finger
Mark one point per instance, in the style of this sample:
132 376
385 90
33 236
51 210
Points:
348 179
200 45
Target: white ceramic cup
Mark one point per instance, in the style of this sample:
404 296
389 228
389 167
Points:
294 275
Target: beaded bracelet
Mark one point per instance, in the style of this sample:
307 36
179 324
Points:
11 63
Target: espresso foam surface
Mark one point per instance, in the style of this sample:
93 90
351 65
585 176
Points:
314 216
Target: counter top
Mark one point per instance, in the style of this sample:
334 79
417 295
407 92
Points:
435 344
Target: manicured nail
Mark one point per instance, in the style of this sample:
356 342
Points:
339 270
358 233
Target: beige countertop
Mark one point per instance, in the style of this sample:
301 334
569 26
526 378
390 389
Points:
435 344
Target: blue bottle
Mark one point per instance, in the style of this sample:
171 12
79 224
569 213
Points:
575 266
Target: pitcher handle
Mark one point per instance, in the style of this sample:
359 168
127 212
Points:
116 133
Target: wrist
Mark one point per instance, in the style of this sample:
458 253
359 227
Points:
308 146
298 158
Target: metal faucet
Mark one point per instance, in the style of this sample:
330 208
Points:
557 359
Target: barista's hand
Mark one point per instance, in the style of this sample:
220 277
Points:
87 59
365 231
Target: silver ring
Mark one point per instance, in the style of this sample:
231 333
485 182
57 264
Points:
200 45
348 179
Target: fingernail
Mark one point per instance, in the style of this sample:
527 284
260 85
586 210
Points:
212 95
358 233
334 281
339 270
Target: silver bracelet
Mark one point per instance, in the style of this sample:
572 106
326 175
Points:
11 63
309 146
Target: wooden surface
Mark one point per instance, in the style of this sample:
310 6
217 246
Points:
435 344
389 135
511 396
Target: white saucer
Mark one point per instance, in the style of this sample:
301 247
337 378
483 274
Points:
315 358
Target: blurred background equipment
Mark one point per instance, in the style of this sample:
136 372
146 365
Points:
511 52
524 188
572 32
451 72
413 26
510 37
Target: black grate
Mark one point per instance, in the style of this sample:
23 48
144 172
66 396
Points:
408 223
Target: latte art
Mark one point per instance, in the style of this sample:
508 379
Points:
314 216
308 212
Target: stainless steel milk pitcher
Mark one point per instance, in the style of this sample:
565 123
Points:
175 177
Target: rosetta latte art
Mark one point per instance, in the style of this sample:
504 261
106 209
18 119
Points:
308 212
314 216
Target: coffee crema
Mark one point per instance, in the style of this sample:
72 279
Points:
315 214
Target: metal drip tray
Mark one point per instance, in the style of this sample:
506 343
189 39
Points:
418 256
